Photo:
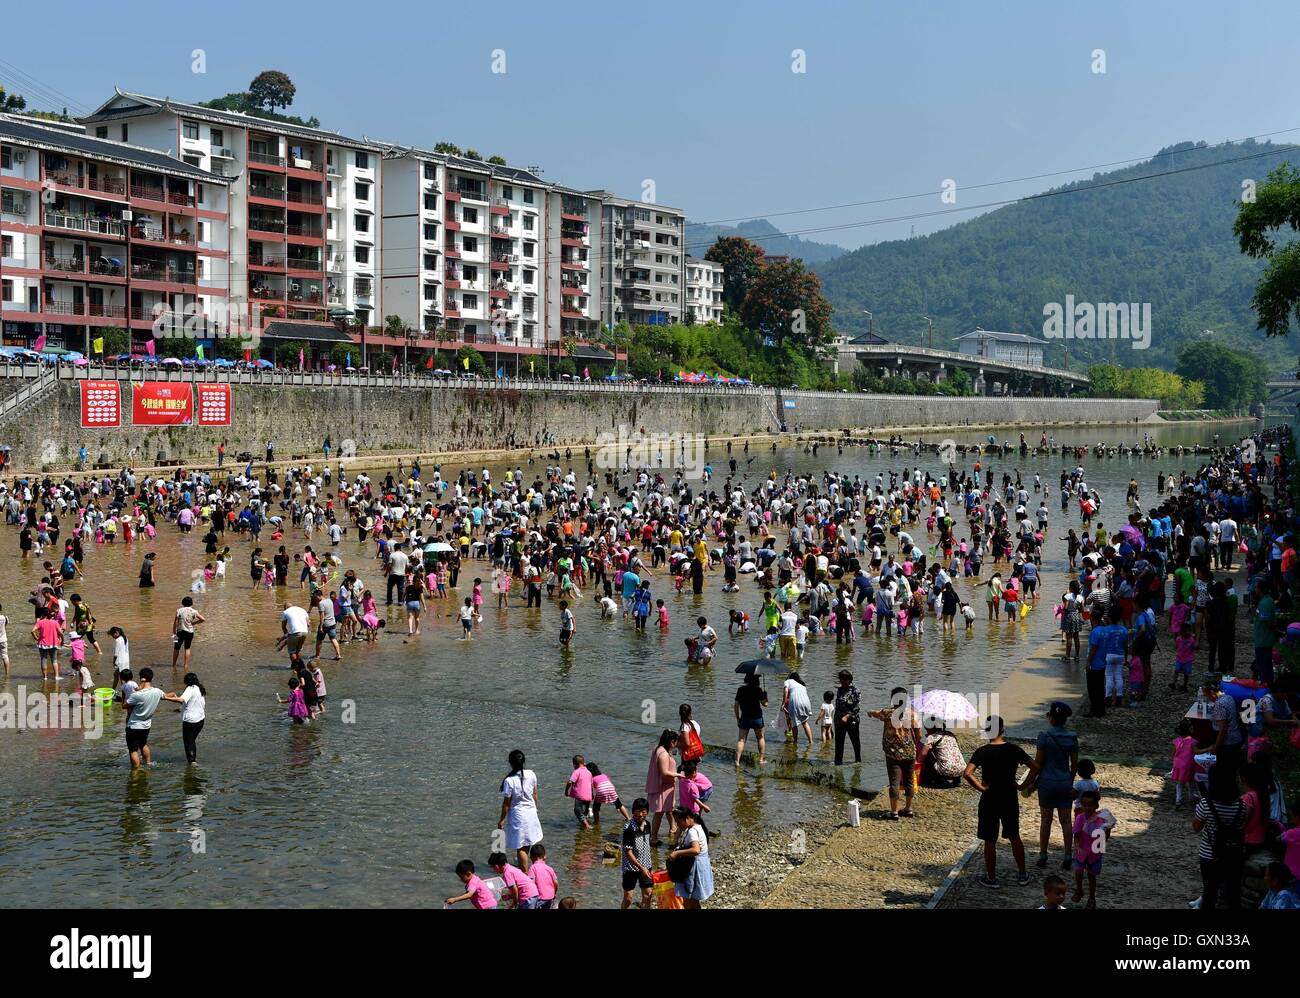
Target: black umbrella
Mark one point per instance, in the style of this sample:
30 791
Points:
763 667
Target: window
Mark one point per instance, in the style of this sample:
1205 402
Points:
528 197
6 161
470 274
363 192
530 276
507 192
362 222
6 245
528 223
469 301
361 254
430 292
101 132
430 262
198 193
363 161
190 129
528 249
470 244
125 133
431 202
8 290
430 172
193 160
469 215
430 233
218 136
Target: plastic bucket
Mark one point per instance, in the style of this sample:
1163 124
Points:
104 694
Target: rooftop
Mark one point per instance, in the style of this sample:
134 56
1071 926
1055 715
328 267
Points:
126 104
24 131
991 334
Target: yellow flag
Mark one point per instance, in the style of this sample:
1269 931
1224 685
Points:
465 361
98 344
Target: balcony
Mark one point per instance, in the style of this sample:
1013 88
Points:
149 192
84 223
266 225
266 193
304 263
266 159
265 293
11 205
305 231
267 262
157 234
52 307
472 193
148 270
500 232
499 207
66 264
100 310
305 197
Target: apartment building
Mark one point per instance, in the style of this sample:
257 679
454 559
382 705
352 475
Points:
97 233
643 262
304 207
704 283
574 237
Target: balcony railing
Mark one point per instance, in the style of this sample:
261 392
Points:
84 223
66 264
265 225
304 263
311 231
266 292
106 311
269 193
500 232
266 261
15 206
161 272
151 193
64 307
473 193
266 159
305 197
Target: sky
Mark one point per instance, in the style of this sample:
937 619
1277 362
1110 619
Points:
702 99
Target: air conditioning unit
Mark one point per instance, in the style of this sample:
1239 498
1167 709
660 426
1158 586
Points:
20 156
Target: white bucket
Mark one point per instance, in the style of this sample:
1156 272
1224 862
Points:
855 814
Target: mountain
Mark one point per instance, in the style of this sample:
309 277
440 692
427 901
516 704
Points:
1166 240
700 237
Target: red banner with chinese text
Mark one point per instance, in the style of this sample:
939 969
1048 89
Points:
101 404
214 405
161 403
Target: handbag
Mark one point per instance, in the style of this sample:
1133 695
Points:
694 749
680 868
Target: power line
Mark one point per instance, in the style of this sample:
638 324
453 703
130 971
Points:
22 81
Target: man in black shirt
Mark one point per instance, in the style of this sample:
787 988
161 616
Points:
997 762
847 717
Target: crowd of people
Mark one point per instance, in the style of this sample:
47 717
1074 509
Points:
814 555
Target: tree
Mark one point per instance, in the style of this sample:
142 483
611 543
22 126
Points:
785 303
1233 378
472 154
394 326
450 148
497 160
11 103
271 89
477 365
741 261
1276 205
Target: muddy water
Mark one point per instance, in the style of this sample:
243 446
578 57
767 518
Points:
378 811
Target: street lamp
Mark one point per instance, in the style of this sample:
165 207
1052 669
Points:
871 331
931 336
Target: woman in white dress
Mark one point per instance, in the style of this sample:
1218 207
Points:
519 809
797 707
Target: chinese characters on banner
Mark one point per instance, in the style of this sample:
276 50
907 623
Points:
161 403
101 404
214 405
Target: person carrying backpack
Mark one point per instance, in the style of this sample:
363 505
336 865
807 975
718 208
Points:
1221 819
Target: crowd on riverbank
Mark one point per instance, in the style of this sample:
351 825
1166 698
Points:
815 556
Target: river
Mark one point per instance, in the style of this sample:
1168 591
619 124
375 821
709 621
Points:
378 811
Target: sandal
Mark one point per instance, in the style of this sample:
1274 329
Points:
907 814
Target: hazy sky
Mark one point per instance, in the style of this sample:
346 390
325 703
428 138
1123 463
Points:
701 97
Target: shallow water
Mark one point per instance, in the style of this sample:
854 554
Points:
377 812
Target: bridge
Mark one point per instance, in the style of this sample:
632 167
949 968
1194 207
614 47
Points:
988 376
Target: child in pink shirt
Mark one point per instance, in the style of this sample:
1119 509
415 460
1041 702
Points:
1184 655
579 788
541 874
518 886
663 616
603 792
693 788
476 892
1183 772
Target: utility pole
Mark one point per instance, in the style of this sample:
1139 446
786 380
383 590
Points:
871 330
930 340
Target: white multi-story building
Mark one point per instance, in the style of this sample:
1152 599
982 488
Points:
96 233
304 205
642 262
704 284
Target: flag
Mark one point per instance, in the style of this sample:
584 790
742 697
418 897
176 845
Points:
248 355
98 344
429 363
394 363
465 362
200 351
349 358
149 347
501 372
300 357
39 345
531 366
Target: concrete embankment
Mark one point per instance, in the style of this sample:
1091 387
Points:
431 418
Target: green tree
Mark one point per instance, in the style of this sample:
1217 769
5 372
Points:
785 302
271 89
477 363
1276 206
1233 378
11 103
395 326
472 154
741 260
449 148
497 160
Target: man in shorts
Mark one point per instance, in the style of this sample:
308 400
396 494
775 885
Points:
142 703
999 804
636 855
293 622
328 629
187 619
